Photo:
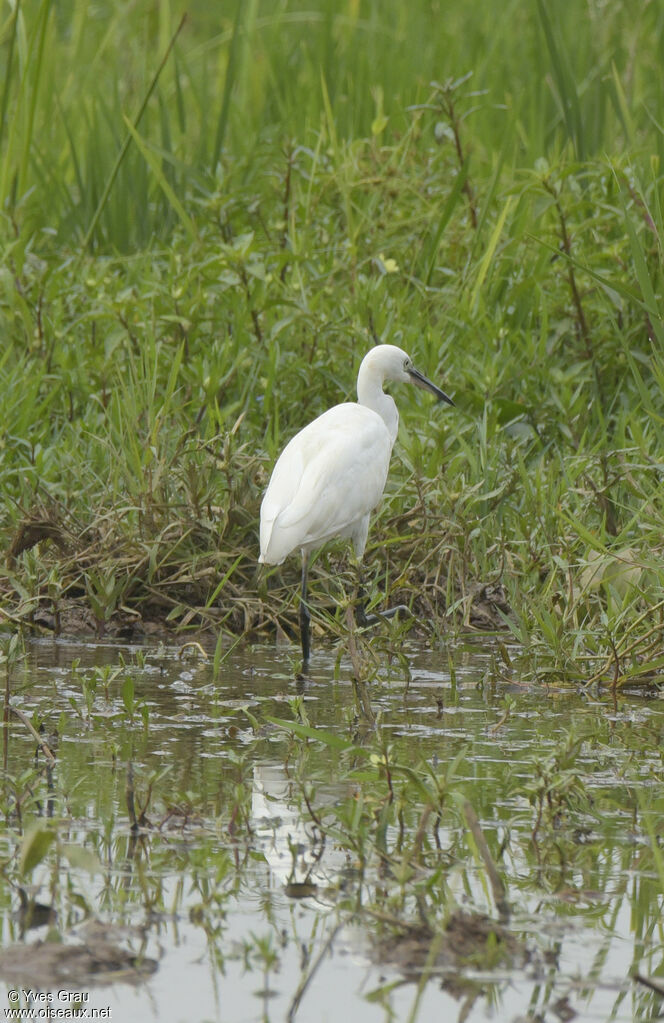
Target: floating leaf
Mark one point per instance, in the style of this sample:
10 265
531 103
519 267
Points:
82 858
306 732
37 840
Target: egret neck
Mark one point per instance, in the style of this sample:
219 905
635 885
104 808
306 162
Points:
370 393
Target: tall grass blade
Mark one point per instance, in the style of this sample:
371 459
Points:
448 210
222 582
19 137
8 72
153 162
621 105
38 65
128 138
489 253
643 277
336 150
229 82
565 82
610 284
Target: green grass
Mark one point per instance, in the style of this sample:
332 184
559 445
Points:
201 242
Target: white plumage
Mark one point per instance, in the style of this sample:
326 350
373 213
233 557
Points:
331 475
327 481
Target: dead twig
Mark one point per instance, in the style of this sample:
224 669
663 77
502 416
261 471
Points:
306 980
648 982
43 745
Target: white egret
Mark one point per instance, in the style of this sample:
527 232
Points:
331 475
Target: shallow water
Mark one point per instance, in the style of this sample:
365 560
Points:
230 888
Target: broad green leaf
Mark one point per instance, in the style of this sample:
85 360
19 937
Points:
37 840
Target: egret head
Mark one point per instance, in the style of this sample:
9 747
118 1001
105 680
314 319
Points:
388 362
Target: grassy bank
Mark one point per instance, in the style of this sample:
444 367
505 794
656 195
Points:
300 183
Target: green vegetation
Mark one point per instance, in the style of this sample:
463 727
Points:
203 230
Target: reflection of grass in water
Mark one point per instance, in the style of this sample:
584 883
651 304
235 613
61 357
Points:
374 823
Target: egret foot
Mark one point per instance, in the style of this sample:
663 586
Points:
364 621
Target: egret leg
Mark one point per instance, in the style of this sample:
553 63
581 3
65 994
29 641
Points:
305 617
363 619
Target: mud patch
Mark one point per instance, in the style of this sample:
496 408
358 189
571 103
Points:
93 954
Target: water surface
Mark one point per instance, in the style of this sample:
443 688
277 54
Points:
259 887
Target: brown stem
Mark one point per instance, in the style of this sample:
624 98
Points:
450 112
566 242
287 207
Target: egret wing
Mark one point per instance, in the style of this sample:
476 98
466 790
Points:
327 479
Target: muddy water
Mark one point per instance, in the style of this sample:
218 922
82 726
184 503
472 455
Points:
229 904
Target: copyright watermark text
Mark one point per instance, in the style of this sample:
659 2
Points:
27 1004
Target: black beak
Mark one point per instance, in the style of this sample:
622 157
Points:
421 381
